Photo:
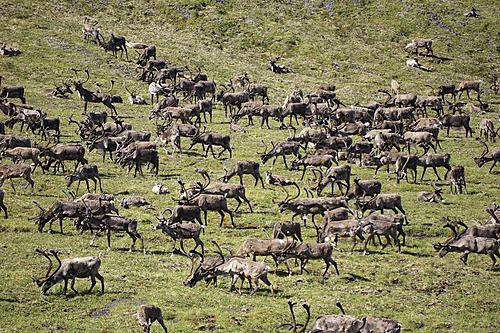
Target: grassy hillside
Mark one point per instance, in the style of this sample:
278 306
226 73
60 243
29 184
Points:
356 44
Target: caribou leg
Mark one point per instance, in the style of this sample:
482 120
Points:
2 206
492 166
100 278
327 262
108 236
65 289
266 281
435 171
232 219
92 280
239 204
12 185
248 203
464 257
423 173
221 213
72 286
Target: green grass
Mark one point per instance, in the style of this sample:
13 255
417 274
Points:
356 44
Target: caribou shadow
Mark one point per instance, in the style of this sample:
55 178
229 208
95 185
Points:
354 277
437 58
415 254
245 227
169 176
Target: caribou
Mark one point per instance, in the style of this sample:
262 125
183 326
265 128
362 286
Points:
244 168
383 201
457 179
69 269
309 251
487 129
212 202
84 173
487 156
471 244
11 171
72 209
63 152
284 229
12 92
343 323
211 139
181 231
108 223
147 314
231 191
280 149
92 97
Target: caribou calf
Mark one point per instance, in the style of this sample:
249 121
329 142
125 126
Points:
147 314
309 251
245 268
457 179
383 201
134 201
434 196
84 173
363 188
284 229
10 171
263 247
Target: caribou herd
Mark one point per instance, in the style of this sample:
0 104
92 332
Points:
397 135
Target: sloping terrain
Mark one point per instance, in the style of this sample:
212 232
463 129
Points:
358 45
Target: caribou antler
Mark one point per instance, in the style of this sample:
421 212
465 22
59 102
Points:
88 74
162 214
486 149
491 211
44 253
453 227
219 250
293 326
265 148
38 205
205 175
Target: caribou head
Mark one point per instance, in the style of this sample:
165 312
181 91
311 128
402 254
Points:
481 160
42 218
48 280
